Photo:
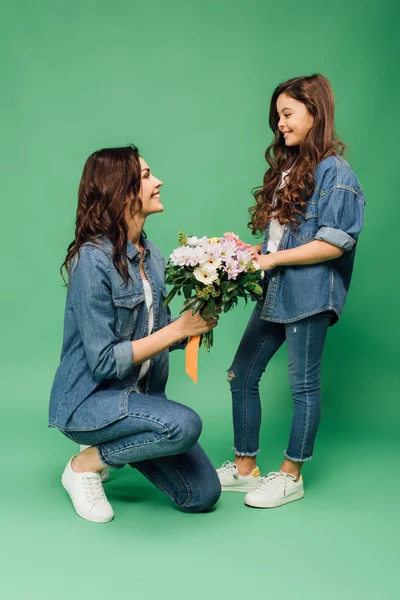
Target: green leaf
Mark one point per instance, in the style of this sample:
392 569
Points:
171 295
210 308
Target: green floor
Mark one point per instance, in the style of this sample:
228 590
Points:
340 541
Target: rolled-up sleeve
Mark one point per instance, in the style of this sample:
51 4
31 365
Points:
341 217
91 299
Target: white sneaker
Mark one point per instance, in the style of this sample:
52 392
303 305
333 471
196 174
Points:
105 473
231 481
275 489
87 495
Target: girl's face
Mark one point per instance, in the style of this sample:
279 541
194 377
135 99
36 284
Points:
294 119
149 191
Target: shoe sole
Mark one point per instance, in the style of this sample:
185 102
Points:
298 496
227 488
81 514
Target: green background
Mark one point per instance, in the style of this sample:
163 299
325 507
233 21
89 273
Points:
189 83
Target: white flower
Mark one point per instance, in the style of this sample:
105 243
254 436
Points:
211 261
244 257
185 256
255 265
205 274
215 249
192 241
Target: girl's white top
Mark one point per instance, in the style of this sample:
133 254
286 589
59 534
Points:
276 229
148 297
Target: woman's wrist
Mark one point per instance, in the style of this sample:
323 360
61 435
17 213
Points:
177 331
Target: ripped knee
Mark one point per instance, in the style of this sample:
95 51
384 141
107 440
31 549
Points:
231 375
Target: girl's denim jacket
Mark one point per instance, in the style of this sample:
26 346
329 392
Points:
333 214
102 316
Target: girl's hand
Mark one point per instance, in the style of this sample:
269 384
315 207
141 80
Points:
192 325
266 261
257 248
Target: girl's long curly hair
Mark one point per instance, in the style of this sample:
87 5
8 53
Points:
110 178
284 204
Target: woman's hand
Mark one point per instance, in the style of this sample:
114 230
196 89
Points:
195 324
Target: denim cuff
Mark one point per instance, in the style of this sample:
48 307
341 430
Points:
124 359
336 237
181 345
237 453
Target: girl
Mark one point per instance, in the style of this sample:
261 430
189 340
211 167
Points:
109 390
311 207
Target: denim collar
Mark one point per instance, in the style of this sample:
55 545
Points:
131 250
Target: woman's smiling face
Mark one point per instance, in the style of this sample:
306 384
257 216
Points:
149 191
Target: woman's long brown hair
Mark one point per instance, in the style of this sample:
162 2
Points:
316 93
110 177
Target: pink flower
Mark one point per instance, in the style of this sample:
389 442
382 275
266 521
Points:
233 268
232 236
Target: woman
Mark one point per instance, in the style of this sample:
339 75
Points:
310 210
109 390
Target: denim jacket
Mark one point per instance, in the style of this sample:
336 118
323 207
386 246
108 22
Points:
333 214
102 316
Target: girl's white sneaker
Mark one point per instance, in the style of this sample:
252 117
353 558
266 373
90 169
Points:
276 489
231 481
87 495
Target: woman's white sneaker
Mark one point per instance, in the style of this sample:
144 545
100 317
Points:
87 495
274 490
231 481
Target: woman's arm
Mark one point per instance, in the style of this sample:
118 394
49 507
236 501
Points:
91 300
186 326
309 254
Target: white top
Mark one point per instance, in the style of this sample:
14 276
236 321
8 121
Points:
276 229
148 298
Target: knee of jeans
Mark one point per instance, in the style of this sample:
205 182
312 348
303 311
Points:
205 499
234 376
303 386
190 427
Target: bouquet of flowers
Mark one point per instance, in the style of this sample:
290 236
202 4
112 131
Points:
212 272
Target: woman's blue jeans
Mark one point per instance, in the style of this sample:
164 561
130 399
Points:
305 341
159 438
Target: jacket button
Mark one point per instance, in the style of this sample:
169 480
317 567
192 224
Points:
273 279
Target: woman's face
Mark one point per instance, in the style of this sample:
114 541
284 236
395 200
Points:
294 119
149 191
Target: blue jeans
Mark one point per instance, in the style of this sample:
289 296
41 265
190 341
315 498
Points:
159 438
305 341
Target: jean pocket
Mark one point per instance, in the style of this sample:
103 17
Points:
307 224
128 309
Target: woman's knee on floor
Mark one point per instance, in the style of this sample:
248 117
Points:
206 497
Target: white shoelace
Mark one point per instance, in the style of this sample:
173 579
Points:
228 467
275 480
94 488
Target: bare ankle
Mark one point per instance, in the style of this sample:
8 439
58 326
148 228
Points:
87 462
291 467
245 464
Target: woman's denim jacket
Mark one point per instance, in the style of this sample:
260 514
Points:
333 214
102 316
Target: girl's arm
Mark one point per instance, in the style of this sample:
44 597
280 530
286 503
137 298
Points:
257 248
309 254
